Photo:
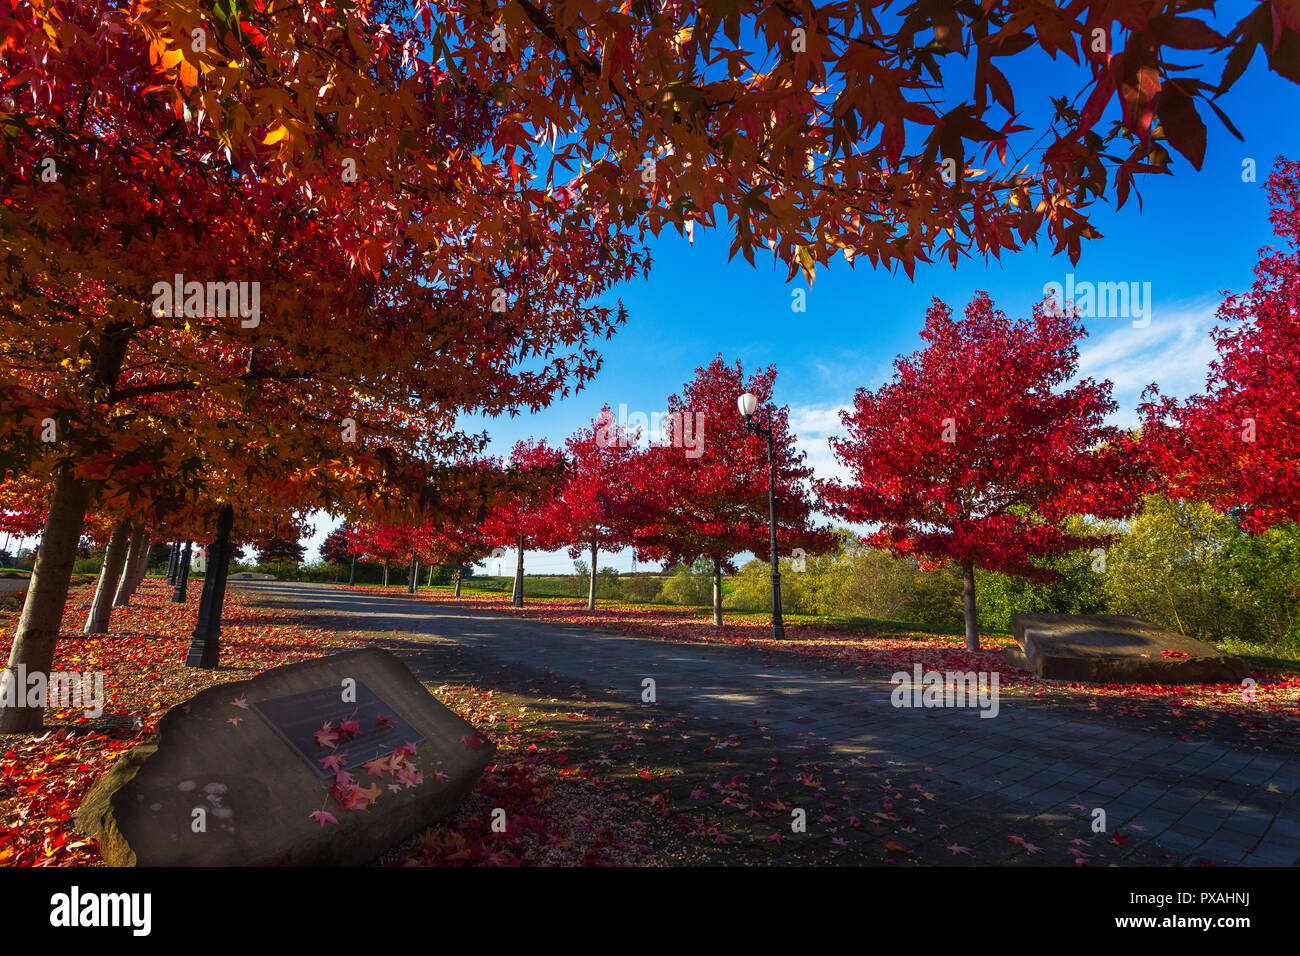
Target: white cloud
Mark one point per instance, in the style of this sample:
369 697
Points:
813 418
1174 351
813 426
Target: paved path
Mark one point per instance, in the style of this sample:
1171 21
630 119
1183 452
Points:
1195 800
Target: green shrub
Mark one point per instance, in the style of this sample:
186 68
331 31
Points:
1172 567
689 587
750 589
1079 588
607 585
1264 582
642 588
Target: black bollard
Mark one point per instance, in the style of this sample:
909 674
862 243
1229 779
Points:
182 575
205 649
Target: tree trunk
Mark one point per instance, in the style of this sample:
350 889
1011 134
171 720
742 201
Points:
968 600
143 570
385 574
110 573
591 586
352 571
458 570
414 584
517 597
182 575
135 556
47 592
717 593
428 582
173 562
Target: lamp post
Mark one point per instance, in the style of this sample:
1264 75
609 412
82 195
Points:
205 643
748 404
182 575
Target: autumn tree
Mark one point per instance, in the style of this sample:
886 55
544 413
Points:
814 129
379 544
458 546
706 480
439 262
335 548
275 549
522 518
598 505
978 449
455 530
22 511
1236 444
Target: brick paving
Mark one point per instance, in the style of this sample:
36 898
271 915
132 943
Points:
1039 767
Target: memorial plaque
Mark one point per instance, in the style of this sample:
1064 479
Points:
298 717
243 758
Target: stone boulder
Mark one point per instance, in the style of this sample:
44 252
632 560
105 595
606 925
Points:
1110 648
252 773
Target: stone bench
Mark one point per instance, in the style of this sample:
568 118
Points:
1112 648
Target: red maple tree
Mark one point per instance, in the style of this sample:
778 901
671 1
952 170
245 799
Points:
337 546
449 531
598 505
708 478
975 452
457 545
522 517
1237 444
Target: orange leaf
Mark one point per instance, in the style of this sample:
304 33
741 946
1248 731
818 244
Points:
189 75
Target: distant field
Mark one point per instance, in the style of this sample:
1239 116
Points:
547 585
559 585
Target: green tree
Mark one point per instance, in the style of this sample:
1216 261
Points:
1265 583
1174 568
751 588
1079 586
690 585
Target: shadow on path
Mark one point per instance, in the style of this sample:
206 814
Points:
1207 799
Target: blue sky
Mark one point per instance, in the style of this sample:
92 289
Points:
1197 234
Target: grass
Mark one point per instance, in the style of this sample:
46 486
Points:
1283 659
551 586
854 624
